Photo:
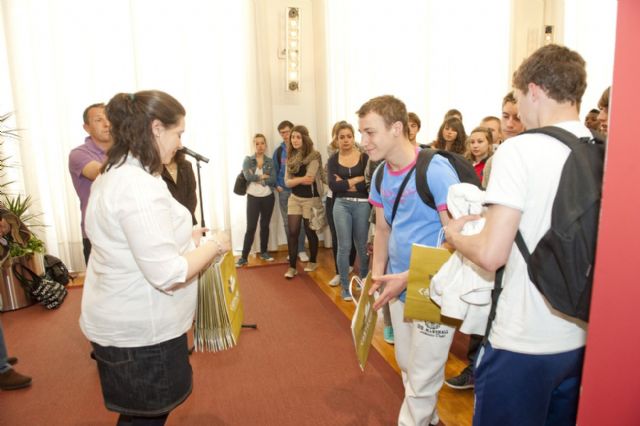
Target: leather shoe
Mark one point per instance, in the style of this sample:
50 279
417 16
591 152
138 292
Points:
11 379
12 360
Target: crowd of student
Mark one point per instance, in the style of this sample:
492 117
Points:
516 346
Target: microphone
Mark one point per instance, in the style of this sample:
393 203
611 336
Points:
194 154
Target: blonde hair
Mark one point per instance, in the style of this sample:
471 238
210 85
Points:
487 133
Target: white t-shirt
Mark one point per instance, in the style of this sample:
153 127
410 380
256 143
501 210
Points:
135 292
525 176
259 189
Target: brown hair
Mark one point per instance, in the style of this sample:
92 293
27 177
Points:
131 116
461 136
453 113
390 108
307 143
413 118
603 102
85 114
559 71
509 98
285 123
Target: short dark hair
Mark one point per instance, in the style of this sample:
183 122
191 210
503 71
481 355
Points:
85 114
453 113
413 117
390 108
594 111
285 123
131 116
558 70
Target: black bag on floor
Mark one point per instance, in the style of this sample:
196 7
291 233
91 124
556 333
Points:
49 293
55 269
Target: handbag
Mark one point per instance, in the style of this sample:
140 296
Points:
49 293
318 218
240 187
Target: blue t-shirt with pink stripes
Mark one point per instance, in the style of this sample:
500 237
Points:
415 222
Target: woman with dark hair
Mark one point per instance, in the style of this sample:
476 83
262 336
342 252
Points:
451 136
302 176
139 296
179 177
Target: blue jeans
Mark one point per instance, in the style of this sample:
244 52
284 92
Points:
352 225
145 381
4 365
283 200
527 390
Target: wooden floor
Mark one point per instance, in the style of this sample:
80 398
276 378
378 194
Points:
455 407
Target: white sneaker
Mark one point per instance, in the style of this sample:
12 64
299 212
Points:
335 281
303 256
311 267
291 272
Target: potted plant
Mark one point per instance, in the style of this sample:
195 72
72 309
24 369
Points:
19 244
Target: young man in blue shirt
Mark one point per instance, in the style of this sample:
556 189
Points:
421 347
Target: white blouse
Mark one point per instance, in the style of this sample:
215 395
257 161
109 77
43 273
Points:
135 292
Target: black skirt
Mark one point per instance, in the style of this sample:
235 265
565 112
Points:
147 380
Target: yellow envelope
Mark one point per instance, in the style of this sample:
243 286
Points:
232 294
363 323
424 264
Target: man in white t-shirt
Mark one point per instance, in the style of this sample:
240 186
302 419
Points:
528 373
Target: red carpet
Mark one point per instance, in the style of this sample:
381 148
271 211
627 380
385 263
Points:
298 368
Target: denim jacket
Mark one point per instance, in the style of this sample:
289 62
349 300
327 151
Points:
249 166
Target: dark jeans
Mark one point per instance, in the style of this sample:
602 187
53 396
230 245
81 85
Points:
86 249
527 390
146 381
261 207
334 236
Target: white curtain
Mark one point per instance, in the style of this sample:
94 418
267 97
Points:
433 55
590 29
67 54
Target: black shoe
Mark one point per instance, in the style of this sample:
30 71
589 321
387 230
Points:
464 380
12 360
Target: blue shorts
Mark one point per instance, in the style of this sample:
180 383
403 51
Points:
526 390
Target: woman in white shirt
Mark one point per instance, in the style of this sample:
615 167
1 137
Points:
139 296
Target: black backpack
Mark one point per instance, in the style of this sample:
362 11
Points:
55 269
462 166
561 265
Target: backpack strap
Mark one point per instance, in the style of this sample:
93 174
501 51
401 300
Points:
567 137
522 246
379 175
400 191
422 186
495 295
